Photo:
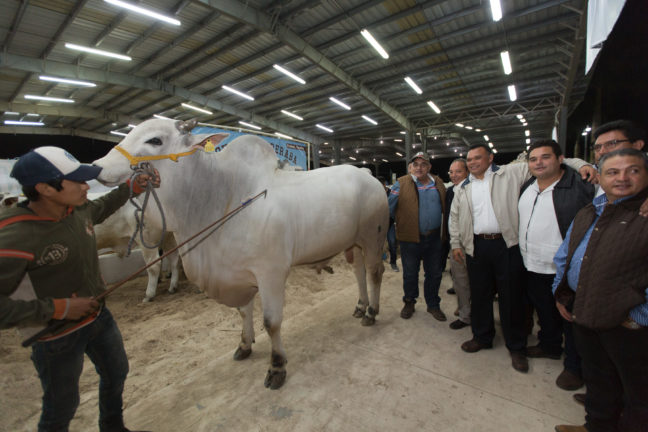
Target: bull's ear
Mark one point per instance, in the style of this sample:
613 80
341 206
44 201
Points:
209 140
185 126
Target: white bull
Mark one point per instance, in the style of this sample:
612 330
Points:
305 218
115 232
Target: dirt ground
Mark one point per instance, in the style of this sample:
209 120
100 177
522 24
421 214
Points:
398 374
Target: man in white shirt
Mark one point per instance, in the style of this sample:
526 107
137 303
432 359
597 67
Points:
548 203
484 231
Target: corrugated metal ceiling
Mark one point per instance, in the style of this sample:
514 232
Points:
449 47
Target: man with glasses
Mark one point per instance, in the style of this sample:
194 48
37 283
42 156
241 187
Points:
616 135
417 203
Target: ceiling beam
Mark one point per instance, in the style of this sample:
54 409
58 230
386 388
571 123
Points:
248 15
33 65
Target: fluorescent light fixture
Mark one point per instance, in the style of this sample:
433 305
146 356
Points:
250 125
339 102
434 107
288 113
455 150
469 127
385 160
496 9
324 128
161 117
512 93
494 150
243 95
527 132
486 138
374 43
32 115
97 51
118 133
477 130
506 62
204 111
490 144
520 116
584 133
67 81
403 133
144 11
525 124
399 154
288 73
49 99
528 140
280 135
459 125
412 84
352 158
398 140
23 123
587 129
370 120
11 113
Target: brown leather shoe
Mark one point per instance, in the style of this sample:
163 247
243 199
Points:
519 362
579 398
408 310
569 381
473 345
437 314
570 428
536 351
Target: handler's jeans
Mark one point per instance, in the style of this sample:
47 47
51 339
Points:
427 250
59 364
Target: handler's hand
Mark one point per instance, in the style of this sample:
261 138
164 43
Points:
589 173
458 255
564 312
81 307
143 179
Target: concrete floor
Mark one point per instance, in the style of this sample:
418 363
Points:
399 375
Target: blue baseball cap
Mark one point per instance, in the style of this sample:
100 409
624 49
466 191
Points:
47 163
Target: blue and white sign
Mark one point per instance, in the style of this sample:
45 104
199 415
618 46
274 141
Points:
294 152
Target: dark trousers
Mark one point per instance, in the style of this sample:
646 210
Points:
615 370
572 359
427 250
542 299
392 243
59 364
496 268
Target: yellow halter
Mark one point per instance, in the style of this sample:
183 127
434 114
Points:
134 160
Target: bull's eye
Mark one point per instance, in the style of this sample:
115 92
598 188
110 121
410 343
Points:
154 141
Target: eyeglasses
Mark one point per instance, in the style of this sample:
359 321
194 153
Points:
609 144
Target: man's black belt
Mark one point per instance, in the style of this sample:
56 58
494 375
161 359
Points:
494 236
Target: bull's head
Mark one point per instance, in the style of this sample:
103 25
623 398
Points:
153 140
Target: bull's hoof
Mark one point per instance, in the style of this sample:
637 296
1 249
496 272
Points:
172 290
275 379
368 321
147 299
358 313
242 354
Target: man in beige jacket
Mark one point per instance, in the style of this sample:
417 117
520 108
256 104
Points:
484 224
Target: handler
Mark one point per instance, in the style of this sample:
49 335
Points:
49 269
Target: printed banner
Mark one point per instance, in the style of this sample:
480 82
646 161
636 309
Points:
294 152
